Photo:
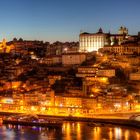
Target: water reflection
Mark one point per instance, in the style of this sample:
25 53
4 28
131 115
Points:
118 133
138 136
126 135
69 131
78 131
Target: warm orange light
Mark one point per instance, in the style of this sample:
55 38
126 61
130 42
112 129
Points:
99 105
5 48
95 89
137 107
21 108
104 80
43 109
7 100
33 108
16 84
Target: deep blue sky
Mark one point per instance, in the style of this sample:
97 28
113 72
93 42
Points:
62 20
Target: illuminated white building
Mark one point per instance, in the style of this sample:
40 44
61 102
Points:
89 42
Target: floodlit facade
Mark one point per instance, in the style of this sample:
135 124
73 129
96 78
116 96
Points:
89 42
4 48
92 42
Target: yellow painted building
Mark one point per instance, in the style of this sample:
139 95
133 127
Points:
4 48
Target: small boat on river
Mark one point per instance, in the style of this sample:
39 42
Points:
92 124
31 120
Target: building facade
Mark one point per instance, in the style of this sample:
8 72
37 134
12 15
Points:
135 76
73 58
89 42
92 42
128 49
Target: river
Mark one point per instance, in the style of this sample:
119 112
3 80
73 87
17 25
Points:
69 131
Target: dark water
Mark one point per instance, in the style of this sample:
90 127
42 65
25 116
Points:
69 131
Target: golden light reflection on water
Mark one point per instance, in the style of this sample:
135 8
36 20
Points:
78 130
126 135
138 136
118 133
67 130
110 134
96 133
75 131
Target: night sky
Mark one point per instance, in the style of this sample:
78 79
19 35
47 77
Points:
52 20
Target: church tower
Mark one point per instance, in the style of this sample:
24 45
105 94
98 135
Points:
123 30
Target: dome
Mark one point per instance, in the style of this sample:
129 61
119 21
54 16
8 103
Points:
100 30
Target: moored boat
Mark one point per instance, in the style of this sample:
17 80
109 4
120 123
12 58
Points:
92 124
32 121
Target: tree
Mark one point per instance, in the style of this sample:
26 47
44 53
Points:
121 74
14 39
116 41
108 39
20 39
59 86
47 43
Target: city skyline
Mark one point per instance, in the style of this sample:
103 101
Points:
51 20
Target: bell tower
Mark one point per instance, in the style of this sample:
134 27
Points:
123 30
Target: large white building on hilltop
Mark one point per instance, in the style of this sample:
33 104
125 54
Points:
89 42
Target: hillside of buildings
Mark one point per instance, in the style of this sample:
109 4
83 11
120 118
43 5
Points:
62 78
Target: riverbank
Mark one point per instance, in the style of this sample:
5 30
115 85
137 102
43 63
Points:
114 121
106 119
